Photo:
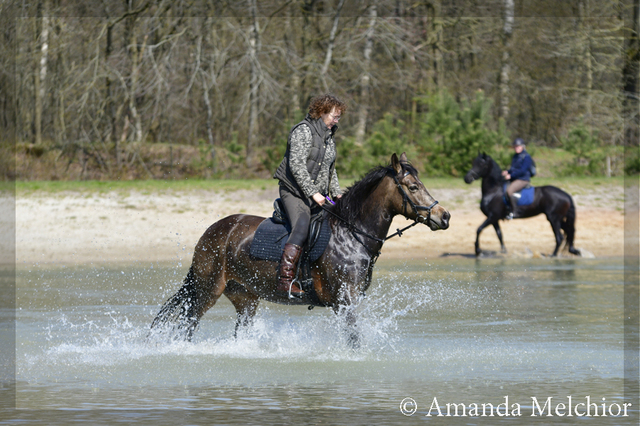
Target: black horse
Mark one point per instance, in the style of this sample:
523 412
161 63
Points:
556 204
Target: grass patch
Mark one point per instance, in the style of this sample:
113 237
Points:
142 186
573 184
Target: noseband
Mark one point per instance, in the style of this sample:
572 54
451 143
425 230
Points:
415 207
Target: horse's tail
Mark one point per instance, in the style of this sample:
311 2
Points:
177 318
568 225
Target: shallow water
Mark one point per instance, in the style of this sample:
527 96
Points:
457 331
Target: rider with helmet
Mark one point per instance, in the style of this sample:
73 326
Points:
519 174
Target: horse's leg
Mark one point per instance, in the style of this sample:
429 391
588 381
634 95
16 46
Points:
184 309
496 226
480 228
202 287
347 296
348 316
557 231
245 303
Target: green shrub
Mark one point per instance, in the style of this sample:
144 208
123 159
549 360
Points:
353 160
585 144
445 137
450 134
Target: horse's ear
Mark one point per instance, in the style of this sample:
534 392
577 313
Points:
395 163
403 158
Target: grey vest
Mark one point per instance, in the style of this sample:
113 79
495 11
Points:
319 134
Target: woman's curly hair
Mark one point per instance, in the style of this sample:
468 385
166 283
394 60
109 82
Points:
323 104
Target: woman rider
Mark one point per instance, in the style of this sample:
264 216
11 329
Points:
519 174
306 175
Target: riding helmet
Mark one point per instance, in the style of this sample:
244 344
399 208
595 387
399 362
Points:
518 142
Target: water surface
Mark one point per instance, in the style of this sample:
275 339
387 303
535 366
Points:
459 331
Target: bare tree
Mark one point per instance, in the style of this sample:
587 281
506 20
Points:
330 46
254 83
505 66
41 70
365 79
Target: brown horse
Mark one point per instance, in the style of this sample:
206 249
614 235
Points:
360 221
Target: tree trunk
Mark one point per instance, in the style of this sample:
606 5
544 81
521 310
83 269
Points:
295 88
254 84
206 86
136 58
588 64
630 76
365 81
332 39
42 72
110 107
505 66
435 40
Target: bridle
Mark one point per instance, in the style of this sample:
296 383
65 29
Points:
474 175
415 207
405 200
483 169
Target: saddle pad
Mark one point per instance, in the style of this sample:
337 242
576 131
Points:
526 195
270 238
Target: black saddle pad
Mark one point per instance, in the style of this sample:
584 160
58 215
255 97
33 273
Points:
270 238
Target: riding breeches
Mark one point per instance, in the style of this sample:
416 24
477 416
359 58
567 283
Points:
299 212
516 186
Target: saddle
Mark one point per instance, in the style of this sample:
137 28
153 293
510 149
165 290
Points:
272 234
524 197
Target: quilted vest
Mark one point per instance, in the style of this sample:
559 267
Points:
319 134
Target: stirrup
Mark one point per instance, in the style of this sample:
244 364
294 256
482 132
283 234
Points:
288 292
295 296
509 216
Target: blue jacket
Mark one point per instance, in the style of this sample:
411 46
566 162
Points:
521 166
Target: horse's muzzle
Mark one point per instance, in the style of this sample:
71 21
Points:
469 177
439 220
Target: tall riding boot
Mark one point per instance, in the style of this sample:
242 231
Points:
288 267
513 201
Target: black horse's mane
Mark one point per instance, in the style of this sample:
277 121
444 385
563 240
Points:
350 205
496 171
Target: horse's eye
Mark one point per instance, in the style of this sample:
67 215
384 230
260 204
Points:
413 188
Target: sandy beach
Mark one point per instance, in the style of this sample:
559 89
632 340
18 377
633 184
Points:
75 228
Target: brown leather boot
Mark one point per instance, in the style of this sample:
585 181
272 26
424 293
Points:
288 266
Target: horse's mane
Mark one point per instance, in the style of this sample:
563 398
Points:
496 170
353 199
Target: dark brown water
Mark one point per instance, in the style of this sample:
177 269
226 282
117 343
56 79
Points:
504 333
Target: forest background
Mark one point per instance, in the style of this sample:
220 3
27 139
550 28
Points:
141 89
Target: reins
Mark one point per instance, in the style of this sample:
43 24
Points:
405 200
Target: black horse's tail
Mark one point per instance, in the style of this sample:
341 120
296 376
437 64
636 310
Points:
569 228
177 319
